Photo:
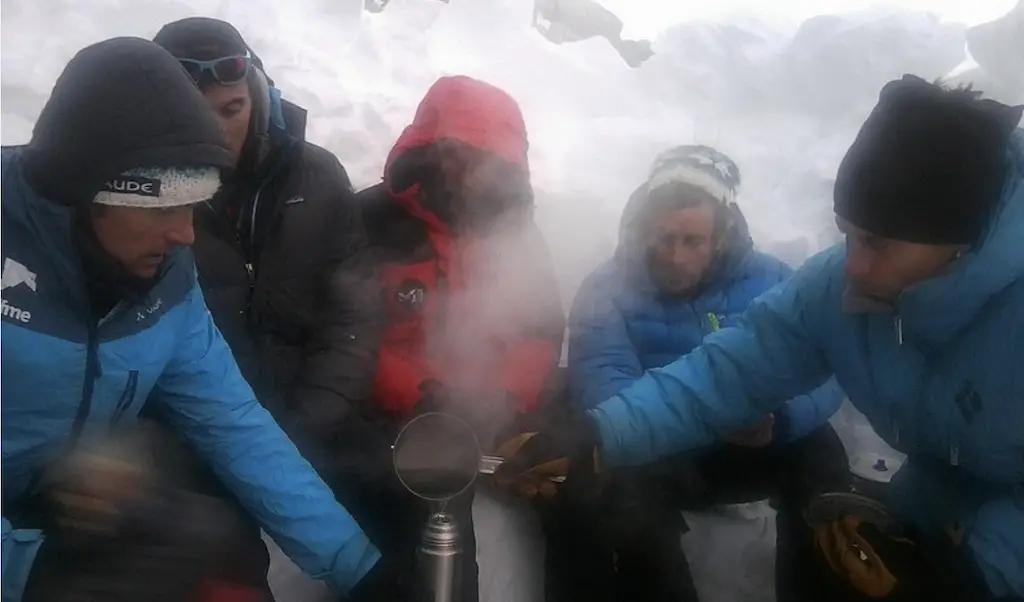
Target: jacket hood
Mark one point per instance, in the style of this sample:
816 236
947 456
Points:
206 39
938 309
632 256
121 104
460 109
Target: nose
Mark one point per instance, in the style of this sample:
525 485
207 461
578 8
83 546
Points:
680 255
858 262
180 232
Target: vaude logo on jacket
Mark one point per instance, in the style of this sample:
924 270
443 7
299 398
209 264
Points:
133 185
149 311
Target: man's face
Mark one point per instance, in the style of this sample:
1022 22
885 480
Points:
681 245
882 268
233 107
140 239
482 189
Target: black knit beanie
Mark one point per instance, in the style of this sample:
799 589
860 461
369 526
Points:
201 38
928 164
205 39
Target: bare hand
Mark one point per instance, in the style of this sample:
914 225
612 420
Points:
758 435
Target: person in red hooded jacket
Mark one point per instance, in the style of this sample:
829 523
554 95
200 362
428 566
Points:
474 319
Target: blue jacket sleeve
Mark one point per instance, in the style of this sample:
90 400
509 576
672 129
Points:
19 552
805 413
212 406
602 359
736 377
994 541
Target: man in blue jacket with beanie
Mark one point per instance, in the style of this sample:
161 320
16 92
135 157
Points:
100 309
919 317
686 267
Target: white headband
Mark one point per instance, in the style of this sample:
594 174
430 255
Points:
685 174
160 188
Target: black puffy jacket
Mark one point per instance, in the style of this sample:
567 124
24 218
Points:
280 254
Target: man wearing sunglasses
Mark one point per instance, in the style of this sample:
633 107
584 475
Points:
474 318
278 252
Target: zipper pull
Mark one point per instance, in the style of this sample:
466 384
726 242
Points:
954 455
895 431
898 323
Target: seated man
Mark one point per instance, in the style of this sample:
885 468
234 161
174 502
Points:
685 268
474 318
101 308
918 317
277 250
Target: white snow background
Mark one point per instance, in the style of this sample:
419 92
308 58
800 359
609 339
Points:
781 92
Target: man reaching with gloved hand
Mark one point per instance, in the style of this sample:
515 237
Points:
101 308
474 319
918 316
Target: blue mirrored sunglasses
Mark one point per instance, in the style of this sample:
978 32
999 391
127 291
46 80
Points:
225 70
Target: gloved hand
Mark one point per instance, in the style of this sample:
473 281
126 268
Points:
569 448
876 564
161 548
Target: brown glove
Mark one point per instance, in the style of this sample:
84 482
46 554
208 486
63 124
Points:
869 560
569 449
538 479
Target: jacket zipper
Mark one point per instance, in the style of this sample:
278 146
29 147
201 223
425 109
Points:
953 443
92 372
127 396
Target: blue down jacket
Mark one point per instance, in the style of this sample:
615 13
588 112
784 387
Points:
621 326
64 379
940 377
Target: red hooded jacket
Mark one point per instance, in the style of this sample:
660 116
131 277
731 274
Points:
485 322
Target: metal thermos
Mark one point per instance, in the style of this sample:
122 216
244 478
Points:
438 566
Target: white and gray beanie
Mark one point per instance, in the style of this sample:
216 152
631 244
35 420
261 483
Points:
160 187
697 165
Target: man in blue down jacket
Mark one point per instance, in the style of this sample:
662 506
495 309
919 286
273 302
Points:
101 308
919 316
686 267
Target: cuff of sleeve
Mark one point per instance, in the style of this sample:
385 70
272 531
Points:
20 547
782 430
347 575
612 448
